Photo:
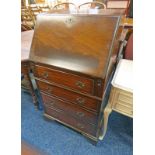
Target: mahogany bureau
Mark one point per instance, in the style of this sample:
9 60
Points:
72 57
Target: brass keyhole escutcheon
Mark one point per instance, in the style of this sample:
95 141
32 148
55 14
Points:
69 21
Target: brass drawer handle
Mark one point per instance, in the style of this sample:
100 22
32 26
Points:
45 75
80 125
50 103
49 89
80 100
80 84
80 114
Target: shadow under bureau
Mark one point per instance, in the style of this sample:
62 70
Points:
72 57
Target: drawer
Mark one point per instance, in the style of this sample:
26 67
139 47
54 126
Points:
124 109
123 102
125 98
66 119
72 81
70 109
81 100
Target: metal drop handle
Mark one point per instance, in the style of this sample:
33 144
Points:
80 114
80 125
50 103
49 89
80 100
80 84
45 75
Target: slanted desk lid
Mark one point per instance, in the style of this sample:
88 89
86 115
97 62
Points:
77 42
123 77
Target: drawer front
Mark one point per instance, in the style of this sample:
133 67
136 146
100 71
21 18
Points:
76 82
81 100
123 102
65 118
125 98
70 109
124 109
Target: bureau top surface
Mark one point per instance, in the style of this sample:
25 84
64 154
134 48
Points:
26 39
77 42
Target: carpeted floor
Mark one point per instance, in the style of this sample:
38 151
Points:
56 139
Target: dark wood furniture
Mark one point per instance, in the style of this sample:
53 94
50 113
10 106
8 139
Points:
117 3
27 20
72 57
35 10
26 38
44 8
28 149
93 5
65 5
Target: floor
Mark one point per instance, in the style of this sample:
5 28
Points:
53 138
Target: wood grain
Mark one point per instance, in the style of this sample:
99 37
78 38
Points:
75 98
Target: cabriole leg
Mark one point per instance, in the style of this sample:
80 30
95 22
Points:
106 114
